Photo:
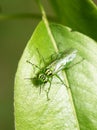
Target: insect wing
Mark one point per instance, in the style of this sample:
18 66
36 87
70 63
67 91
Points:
61 63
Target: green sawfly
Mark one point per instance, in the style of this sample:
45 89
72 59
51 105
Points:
58 63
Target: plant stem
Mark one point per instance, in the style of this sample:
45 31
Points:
24 16
47 26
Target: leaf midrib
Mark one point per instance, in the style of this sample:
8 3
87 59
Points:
53 41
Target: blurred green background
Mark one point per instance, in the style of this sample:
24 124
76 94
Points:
14 35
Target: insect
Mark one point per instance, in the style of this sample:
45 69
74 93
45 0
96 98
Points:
57 64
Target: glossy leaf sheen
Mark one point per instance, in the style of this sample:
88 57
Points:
32 110
80 15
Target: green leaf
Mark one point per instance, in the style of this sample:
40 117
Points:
70 108
80 15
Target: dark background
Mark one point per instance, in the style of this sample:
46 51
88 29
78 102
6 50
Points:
14 35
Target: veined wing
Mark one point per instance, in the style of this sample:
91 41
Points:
60 63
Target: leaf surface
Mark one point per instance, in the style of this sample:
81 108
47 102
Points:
72 108
80 15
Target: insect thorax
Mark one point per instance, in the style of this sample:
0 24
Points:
48 72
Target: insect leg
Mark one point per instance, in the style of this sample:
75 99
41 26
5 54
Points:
40 90
33 65
47 92
41 57
60 80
